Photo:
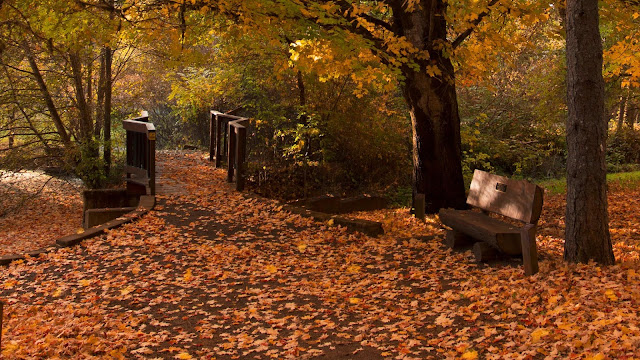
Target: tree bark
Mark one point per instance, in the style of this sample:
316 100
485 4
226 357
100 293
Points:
108 86
437 170
632 115
86 121
587 221
89 81
100 97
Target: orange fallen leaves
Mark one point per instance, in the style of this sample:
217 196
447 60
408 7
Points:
45 216
216 274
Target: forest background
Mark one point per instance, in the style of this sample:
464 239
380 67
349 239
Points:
328 114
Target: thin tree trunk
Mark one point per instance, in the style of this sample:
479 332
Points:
100 97
632 115
53 111
621 112
587 221
89 81
108 86
437 170
86 123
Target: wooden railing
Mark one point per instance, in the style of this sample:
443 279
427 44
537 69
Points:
141 154
229 139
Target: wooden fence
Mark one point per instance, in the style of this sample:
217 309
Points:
141 153
229 139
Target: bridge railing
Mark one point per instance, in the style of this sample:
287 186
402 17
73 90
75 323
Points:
229 139
141 153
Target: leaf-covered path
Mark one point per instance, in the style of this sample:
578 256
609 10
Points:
211 273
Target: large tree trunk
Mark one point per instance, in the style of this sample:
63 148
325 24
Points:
587 221
437 169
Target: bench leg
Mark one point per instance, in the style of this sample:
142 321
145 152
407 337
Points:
529 249
485 252
454 239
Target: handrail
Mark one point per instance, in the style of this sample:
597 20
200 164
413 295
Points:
141 153
234 144
138 126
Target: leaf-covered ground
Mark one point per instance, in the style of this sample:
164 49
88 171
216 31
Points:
212 273
35 210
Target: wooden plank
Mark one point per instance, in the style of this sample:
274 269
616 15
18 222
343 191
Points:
140 181
241 145
517 199
138 126
218 149
228 116
142 118
499 234
152 165
212 136
239 122
135 170
231 152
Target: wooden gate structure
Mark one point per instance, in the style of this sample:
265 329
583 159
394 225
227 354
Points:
141 155
229 139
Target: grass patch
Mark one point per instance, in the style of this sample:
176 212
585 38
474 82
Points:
626 180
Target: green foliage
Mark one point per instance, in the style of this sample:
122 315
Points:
400 196
626 180
337 143
512 147
90 166
623 148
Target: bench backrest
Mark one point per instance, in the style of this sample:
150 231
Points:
517 199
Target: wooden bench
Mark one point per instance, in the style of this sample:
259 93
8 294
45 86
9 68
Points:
516 199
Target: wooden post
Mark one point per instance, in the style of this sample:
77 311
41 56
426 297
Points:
529 249
129 150
152 161
212 134
241 145
231 151
11 139
218 132
419 206
225 136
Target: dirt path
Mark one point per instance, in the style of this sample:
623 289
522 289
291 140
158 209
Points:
215 274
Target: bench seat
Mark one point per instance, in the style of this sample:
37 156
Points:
481 227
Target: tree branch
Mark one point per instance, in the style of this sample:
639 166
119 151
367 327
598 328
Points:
474 24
